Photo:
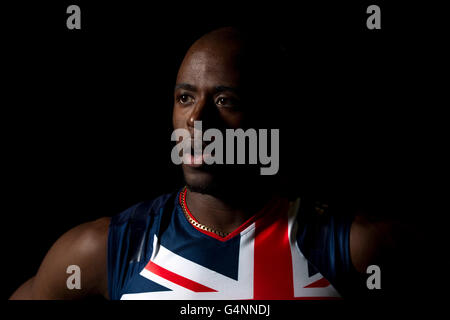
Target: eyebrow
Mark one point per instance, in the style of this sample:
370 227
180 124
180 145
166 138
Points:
190 87
225 88
186 86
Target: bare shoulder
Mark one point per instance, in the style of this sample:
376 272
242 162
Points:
81 250
368 239
87 238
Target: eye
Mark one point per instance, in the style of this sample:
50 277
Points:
226 102
185 99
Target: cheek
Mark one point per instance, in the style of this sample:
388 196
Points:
177 118
234 120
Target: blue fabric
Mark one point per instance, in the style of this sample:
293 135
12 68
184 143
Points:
130 242
323 240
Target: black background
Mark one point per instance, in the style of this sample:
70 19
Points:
87 113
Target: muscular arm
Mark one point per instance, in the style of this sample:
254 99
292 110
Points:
396 247
84 246
370 242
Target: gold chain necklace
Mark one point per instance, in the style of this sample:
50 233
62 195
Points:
195 223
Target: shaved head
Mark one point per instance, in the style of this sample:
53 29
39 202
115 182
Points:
223 38
219 52
225 80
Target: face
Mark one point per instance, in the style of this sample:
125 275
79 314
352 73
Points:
208 88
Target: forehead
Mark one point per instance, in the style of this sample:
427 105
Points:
210 67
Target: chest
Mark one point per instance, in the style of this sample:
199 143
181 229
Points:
262 262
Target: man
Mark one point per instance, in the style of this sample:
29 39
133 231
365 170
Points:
228 234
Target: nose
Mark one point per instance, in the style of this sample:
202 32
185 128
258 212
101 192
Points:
197 113
204 110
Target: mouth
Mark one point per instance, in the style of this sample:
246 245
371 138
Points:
196 157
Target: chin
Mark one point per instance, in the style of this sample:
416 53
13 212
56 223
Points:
200 181
220 181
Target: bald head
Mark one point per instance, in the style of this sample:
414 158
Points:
231 70
223 38
217 53
224 82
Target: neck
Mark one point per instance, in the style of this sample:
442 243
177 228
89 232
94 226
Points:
225 213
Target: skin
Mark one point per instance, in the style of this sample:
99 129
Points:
85 246
211 63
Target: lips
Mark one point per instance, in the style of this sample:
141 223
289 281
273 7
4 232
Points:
193 159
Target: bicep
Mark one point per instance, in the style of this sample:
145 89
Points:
368 242
24 292
78 255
